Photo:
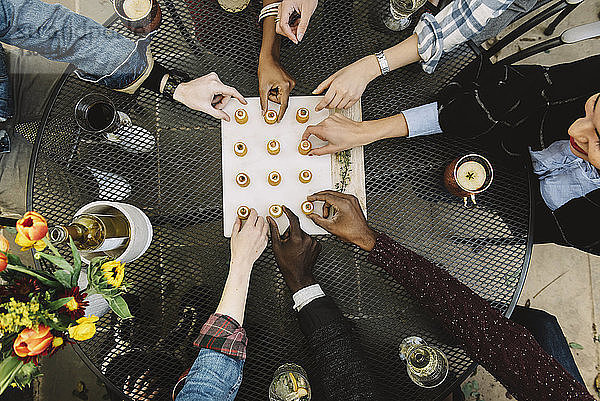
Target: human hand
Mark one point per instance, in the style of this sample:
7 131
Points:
274 84
347 85
207 94
248 242
142 389
296 32
341 133
295 252
343 217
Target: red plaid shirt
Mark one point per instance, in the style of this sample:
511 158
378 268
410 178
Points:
223 334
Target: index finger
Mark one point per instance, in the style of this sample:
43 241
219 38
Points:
230 90
331 197
329 95
294 221
313 130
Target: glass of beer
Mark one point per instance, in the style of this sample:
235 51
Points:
96 113
140 16
400 12
289 383
467 176
426 366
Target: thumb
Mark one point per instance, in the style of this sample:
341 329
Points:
274 232
220 114
324 85
303 26
264 99
320 221
324 150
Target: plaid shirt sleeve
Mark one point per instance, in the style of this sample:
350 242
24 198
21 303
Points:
454 24
223 334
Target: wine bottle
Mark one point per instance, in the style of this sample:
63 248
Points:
93 232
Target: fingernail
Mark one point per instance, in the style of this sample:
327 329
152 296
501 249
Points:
310 154
300 36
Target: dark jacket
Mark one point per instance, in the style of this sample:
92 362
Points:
516 107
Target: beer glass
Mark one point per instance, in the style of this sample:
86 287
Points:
426 366
289 383
400 12
96 113
140 16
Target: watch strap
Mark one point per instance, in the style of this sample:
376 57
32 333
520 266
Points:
172 83
383 63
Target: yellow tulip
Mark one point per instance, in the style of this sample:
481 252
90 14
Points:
27 244
85 328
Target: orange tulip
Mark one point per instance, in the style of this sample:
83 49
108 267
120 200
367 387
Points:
3 261
32 226
32 342
4 245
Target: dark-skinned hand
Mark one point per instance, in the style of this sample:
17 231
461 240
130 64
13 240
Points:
295 251
343 217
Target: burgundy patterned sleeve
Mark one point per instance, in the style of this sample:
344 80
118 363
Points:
223 334
507 350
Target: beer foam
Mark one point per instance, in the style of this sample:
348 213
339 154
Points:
136 9
471 175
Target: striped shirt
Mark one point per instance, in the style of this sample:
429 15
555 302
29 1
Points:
456 23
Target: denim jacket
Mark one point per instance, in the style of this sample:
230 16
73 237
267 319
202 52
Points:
100 55
213 377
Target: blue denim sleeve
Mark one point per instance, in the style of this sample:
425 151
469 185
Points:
213 377
100 55
423 120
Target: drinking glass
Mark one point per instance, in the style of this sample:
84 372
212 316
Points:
289 383
139 16
234 6
96 113
426 366
400 12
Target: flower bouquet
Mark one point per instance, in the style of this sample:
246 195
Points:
42 311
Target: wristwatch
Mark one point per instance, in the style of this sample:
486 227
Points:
383 63
175 78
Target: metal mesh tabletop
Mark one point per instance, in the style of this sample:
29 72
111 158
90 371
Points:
175 178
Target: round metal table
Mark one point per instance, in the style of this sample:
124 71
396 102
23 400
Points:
175 177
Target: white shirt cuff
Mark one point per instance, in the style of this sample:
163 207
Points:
306 295
423 120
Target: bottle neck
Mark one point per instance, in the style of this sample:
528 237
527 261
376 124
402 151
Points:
58 234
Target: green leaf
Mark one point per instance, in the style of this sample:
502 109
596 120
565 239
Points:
59 303
575 345
8 370
76 263
14 260
46 281
63 277
119 306
58 261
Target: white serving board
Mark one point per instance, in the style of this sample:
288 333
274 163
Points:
258 163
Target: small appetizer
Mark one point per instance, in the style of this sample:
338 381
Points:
243 212
302 115
241 116
273 147
304 147
274 178
275 211
270 117
242 180
305 176
307 207
240 149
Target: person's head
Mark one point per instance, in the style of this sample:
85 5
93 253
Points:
584 132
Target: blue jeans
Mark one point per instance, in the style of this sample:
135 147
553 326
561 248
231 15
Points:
100 55
213 377
547 332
